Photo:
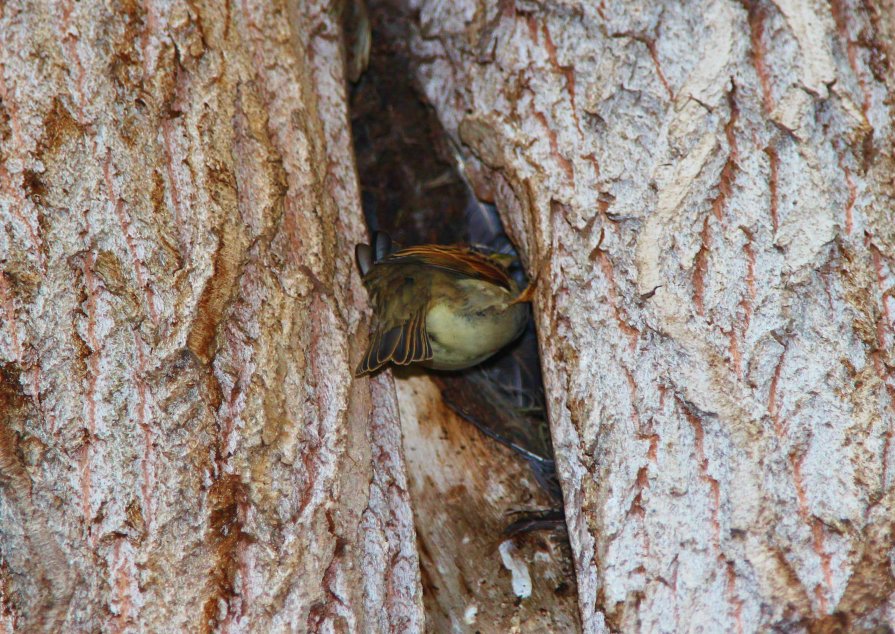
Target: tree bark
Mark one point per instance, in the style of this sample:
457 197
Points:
704 193
182 445
464 488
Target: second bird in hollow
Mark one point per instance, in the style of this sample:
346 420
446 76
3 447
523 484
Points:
445 307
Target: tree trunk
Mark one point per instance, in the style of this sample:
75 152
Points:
705 195
182 445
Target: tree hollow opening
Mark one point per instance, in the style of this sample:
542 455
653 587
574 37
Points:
487 505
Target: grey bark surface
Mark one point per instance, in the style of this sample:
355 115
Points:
182 444
704 192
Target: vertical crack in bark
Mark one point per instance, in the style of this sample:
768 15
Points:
173 187
729 171
564 163
90 397
852 195
884 323
795 460
627 329
701 266
642 479
70 41
144 421
757 14
654 55
228 264
735 602
821 591
332 611
567 71
740 330
773 407
840 13
118 206
227 503
122 571
650 43
713 485
773 184
719 204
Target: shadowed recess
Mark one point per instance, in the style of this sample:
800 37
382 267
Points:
413 189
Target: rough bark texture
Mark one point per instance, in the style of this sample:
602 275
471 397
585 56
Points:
464 488
182 446
704 191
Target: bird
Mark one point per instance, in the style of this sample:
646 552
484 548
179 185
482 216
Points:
446 307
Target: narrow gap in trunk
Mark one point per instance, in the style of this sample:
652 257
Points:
491 531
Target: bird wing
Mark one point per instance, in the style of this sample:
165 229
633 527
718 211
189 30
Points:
458 260
398 333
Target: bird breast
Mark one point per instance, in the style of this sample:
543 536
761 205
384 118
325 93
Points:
463 334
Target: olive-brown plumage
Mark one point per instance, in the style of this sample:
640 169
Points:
446 307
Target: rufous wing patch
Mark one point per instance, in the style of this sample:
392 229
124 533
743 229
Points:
457 260
402 345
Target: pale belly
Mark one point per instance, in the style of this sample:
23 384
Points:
460 340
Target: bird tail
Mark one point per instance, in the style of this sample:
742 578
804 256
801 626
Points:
368 255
